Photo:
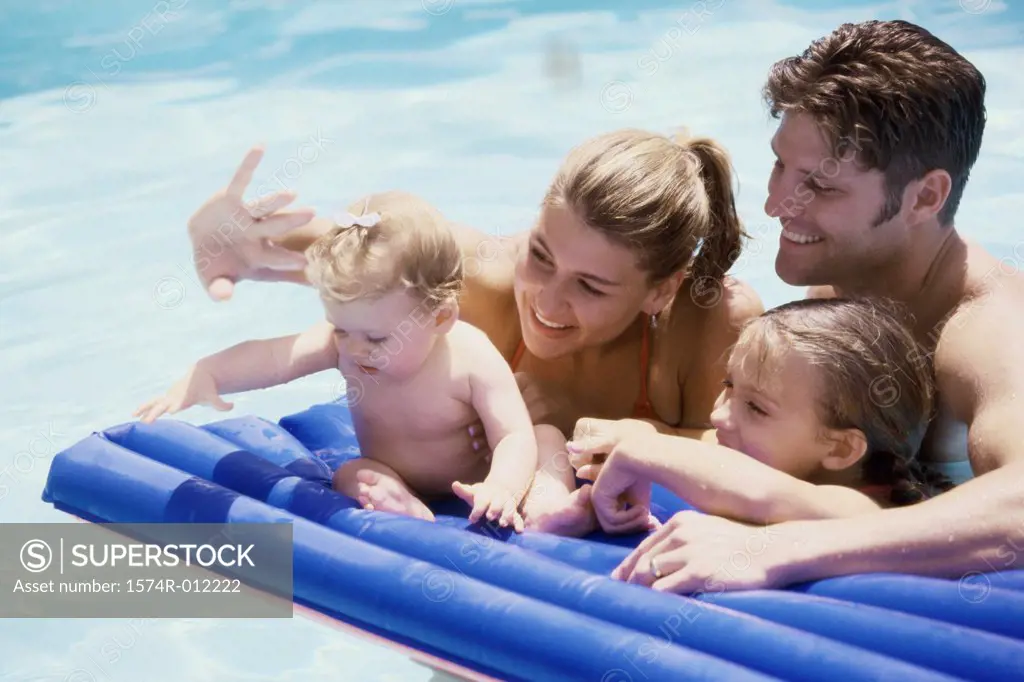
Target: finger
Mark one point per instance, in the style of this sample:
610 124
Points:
279 258
279 224
144 407
508 513
625 569
220 289
517 522
463 492
643 571
589 427
263 206
588 472
631 520
221 404
243 176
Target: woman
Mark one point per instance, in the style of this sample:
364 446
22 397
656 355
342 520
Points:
614 305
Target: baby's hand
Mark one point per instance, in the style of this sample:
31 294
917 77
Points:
492 501
196 387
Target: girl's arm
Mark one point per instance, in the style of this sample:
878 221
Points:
722 481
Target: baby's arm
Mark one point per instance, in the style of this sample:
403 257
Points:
247 366
510 435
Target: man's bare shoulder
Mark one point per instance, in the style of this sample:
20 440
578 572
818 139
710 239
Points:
977 354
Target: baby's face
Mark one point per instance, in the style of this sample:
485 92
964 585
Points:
772 415
385 337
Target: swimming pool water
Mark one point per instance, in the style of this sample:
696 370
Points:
117 119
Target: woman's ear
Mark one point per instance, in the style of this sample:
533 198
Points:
663 292
848 447
445 316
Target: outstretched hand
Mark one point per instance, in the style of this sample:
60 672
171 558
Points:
195 388
232 238
491 501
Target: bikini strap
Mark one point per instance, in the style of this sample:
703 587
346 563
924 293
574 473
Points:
518 355
643 407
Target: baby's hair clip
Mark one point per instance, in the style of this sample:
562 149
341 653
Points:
346 219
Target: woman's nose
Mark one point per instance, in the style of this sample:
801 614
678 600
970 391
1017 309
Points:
721 416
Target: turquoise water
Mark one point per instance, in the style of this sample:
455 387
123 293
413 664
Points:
118 118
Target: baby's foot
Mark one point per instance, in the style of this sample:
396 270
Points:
384 493
569 515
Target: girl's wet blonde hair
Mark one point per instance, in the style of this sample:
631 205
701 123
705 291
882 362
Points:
669 200
410 247
871 374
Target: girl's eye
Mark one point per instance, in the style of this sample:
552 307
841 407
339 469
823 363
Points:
727 383
340 333
587 287
757 410
377 341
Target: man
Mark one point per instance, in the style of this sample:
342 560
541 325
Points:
881 123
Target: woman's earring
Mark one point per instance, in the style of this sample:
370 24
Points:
654 321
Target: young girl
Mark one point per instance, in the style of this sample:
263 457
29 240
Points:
824 407
389 278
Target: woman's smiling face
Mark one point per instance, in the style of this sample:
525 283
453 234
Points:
574 287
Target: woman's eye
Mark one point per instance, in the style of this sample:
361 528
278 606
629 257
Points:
377 341
539 256
587 287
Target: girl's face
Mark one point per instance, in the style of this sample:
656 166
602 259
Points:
771 413
386 337
574 287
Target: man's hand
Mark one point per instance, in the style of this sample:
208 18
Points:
232 239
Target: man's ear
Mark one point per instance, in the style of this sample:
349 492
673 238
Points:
928 195
848 447
445 316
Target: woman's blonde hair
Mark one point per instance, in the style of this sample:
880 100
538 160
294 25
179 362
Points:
663 198
410 247
871 374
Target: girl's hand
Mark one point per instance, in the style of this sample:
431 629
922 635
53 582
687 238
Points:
491 501
593 440
602 451
231 238
195 388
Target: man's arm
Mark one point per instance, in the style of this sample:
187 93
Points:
974 527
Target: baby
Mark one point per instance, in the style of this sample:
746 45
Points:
823 410
389 277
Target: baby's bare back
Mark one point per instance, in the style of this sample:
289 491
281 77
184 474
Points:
420 428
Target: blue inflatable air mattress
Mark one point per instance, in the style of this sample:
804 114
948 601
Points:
529 606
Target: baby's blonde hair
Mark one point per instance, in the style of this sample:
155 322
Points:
660 197
412 247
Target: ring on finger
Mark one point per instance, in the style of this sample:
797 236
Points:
658 575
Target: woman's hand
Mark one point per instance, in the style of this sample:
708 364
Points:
605 451
195 388
696 552
231 239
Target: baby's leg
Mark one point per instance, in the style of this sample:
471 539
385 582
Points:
377 486
553 504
